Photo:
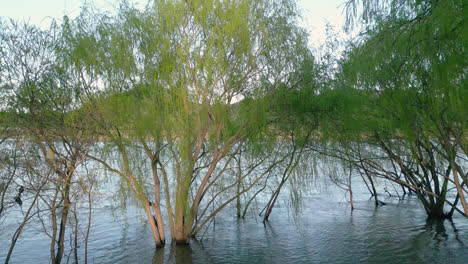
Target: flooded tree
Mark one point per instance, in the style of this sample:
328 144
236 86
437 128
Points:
41 93
409 127
172 75
294 117
198 106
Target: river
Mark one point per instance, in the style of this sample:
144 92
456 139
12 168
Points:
324 231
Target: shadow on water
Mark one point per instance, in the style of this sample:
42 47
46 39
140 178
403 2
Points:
173 254
436 227
455 231
187 254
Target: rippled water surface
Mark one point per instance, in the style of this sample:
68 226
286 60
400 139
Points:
325 231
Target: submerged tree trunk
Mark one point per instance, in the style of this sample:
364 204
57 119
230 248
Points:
271 203
170 213
182 230
157 205
374 191
292 164
239 181
152 223
459 188
350 189
157 222
182 235
63 222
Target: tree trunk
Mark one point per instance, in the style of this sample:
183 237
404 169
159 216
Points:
239 181
374 191
287 172
272 201
63 222
459 189
159 223
170 213
157 205
182 235
152 223
238 202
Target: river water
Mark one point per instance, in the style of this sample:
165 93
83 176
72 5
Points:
325 231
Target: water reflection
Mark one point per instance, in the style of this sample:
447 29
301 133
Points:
187 254
455 232
326 231
183 254
436 227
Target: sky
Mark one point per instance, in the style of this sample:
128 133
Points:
316 13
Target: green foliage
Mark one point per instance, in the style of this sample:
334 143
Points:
180 66
34 85
412 69
409 72
190 79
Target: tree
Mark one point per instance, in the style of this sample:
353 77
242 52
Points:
411 66
172 76
40 95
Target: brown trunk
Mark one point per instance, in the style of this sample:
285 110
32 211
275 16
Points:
157 189
152 223
459 189
63 221
157 205
182 235
159 223
170 214
136 188
180 232
201 188
272 201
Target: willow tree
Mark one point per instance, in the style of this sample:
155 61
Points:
40 94
174 75
294 115
411 66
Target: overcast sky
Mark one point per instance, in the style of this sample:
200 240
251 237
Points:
315 13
